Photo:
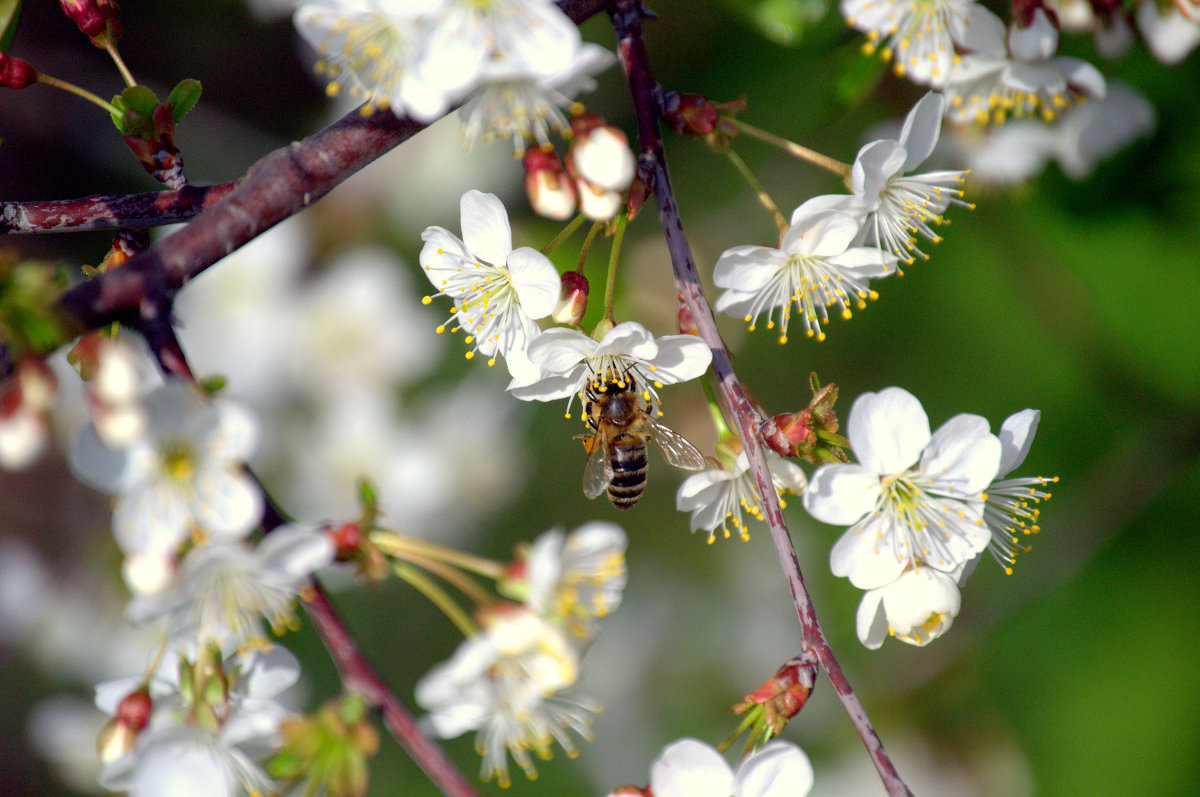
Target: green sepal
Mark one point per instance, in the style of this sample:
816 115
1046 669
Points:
10 14
136 105
184 97
213 384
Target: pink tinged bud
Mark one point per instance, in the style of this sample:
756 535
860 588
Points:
572 303
347 539
115 741
629 791
16 73
549 188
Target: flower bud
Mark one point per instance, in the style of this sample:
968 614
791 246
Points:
16 73
600 153
699 117
781 697
97 19
549 188
119 734
572 303
810 434
147 572
597 203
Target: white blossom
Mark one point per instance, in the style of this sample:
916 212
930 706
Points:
523 108
570 361
719 496
576 579
815 267
498 291
911 500
174 755
986 87
921 37
374 47
691 768
505 683
186 474
221 593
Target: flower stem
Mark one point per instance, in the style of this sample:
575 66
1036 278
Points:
763 197
50 80
395 544
436 595
715 411
126 75
587 245
803 153
564 235
614 256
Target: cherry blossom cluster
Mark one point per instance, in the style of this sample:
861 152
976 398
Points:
184 509
511 680
516 63
922 507
991 73
836 244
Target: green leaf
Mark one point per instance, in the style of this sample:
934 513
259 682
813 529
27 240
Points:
10 13
136 104
184 97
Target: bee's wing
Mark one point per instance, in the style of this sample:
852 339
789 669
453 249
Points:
677 450
597 472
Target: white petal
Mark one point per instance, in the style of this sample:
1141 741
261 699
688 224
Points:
107 469
1037 42
269 673
876 163
485 227
747 268
980 31
962 456
155 516
871 622
549 387
558 349
777 769
535 280
841 494
227 503
888 430
699 489
236 434
861 556
292 553
921 128
442 255
1016 436
631 339
680 358
690 768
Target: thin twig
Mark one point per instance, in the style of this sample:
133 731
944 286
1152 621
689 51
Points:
627 18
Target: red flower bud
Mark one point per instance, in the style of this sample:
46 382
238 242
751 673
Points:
134 710
16 73
97 19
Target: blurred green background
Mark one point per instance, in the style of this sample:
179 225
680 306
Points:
1078 674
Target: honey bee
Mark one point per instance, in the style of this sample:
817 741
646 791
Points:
623 421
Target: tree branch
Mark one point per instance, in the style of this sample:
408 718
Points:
627 16
131 212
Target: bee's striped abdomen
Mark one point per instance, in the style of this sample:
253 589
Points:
628 459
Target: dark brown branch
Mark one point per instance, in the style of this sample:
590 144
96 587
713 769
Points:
132 212
627 18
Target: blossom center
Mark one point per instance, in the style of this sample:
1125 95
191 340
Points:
178 461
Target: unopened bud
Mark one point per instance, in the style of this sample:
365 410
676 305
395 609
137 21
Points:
810 434
572 302
115 741
16 73
550 190
134 709
629 791
779 698
597 203
639 191
600 154
697 116
97 19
